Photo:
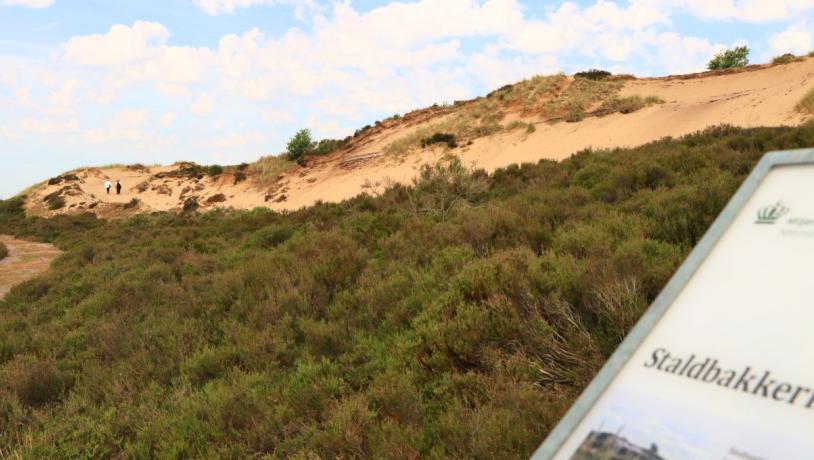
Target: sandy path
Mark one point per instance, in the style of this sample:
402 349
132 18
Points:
25 260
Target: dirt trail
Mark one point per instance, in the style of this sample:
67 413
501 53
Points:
25 260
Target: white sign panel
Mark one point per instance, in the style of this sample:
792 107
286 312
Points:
727 371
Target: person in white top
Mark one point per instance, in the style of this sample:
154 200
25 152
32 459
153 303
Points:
108 184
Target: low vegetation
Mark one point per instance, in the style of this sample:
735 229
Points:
552 98
455 318
806 104
440 138
3 251
267 170
593 74
727 59
787 58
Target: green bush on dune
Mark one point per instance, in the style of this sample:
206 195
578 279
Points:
727 59
455 318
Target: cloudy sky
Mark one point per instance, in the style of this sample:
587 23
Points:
90 82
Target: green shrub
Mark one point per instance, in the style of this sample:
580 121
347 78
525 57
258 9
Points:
727 59
786 59
326 146
3 251
214 170
299 145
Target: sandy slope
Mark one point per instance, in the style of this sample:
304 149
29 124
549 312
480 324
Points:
25 261
756 96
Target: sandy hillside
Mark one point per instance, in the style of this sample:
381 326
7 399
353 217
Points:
25 260
755 96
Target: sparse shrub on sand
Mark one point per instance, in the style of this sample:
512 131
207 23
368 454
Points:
806 104
190 204
811 53
3 251
530 128
55 200
727 59
786 59
627 104
439 138
457 317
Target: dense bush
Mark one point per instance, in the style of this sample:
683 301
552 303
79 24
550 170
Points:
299 145
455 318
214 170
593 74
726 59
326 146
440 138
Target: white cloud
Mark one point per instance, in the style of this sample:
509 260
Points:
167 119
202 105
736 10
66 94
126 125
171 89
21 95
121 44
795 39
218 7
37 4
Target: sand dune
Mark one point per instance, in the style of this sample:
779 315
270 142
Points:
756 96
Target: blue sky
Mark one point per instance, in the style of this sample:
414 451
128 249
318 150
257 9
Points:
226 81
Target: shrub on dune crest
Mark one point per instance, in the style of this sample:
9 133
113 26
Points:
727 59
786 59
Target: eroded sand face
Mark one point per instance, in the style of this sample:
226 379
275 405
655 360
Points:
26 260
759 96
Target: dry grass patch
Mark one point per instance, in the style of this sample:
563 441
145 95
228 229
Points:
267 170
787 58
806 104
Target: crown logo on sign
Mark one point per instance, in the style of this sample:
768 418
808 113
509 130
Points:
770 214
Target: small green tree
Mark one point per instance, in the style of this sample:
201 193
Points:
727 59
299 144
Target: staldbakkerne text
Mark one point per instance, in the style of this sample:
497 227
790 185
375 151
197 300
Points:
745 379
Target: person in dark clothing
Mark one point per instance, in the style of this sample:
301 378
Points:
118 187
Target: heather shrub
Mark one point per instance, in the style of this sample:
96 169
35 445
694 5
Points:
457 317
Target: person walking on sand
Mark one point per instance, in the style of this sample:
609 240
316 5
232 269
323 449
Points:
107 186
118 187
